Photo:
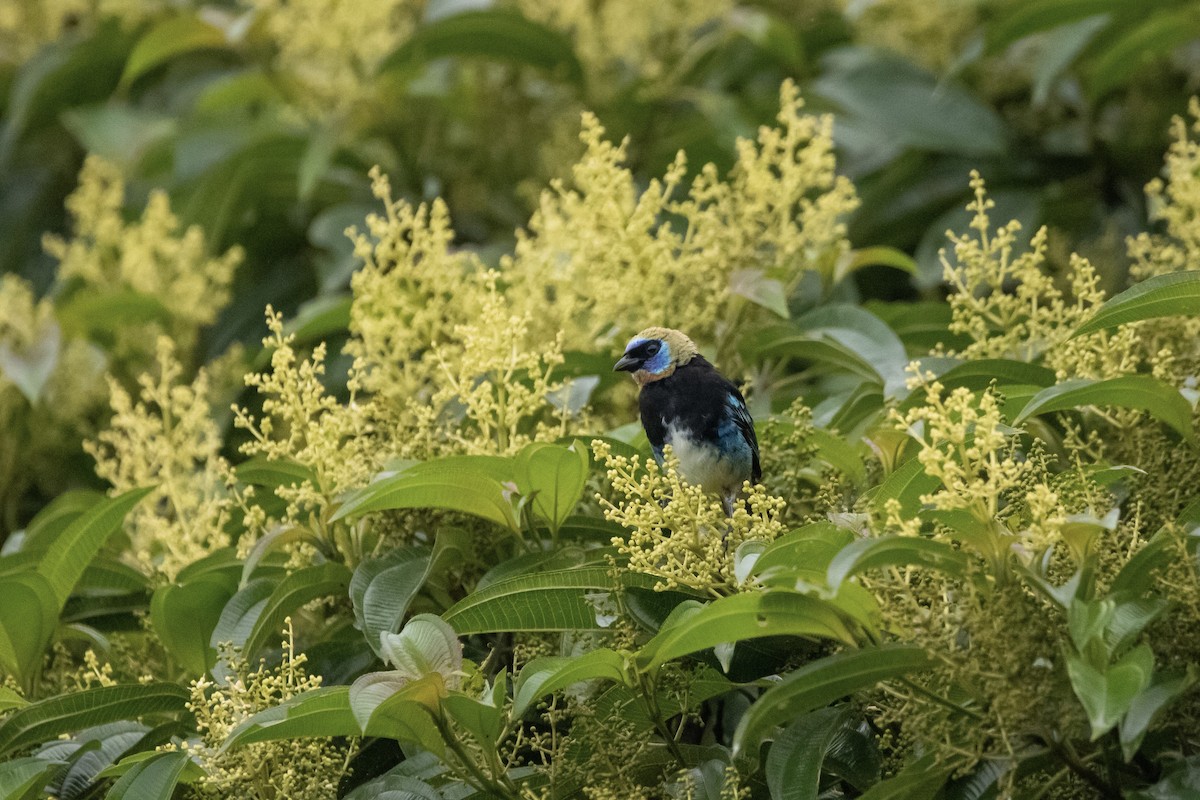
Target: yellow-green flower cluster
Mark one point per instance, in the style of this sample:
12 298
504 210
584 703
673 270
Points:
331 49
301 768
932 34
302 422
595 255
27 26
168 438
622 41
410 294
150 257
1004 300
678 532
496 390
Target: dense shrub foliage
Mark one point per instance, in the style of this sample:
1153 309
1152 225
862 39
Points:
316 482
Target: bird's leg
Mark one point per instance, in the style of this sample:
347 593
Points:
727 501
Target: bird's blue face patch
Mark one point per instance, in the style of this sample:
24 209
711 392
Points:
656 363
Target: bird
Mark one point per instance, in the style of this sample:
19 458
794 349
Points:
686 403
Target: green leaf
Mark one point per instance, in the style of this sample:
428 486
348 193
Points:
270 472
240 614
1170 295
981 373
54 517
880 256
9 700
46 719
894 102
818 684
1106 695
316 713
21 776
556 600
382 589
493 33
888 551
548 674
168 39
808 549
797 758
920 780
755 286
27 624
1142 44
906 484
774 612
444 484
1143 392
121 134
1036 16
425 646
299 588
184 615
553 476
1147 706
483 721
839 454
69 554
154 778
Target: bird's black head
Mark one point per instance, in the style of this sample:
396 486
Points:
655 353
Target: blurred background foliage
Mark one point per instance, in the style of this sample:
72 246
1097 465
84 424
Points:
258 121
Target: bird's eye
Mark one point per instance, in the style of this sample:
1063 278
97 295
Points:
652 348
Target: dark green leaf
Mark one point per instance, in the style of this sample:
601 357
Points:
548 674
1163 402
820 683
557 600
298 589
774 612
493 33
1140 45
184 616
888 551
797 757
154 778
49 718
553 476
69 554
316 713
27 624
450 485
1170 295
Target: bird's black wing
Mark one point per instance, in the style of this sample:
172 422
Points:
745 425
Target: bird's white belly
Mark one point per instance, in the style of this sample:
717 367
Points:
702 464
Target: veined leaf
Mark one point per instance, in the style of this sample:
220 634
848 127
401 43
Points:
20 776
1170 295
382 589
556 600
886 551
46 719
820 683
546 675
302 586
1143 392
316 713
774 612
272 472
979 374
151 779
906 484
553 476
69 554
436 485
797 758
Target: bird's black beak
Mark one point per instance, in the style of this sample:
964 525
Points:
627 363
